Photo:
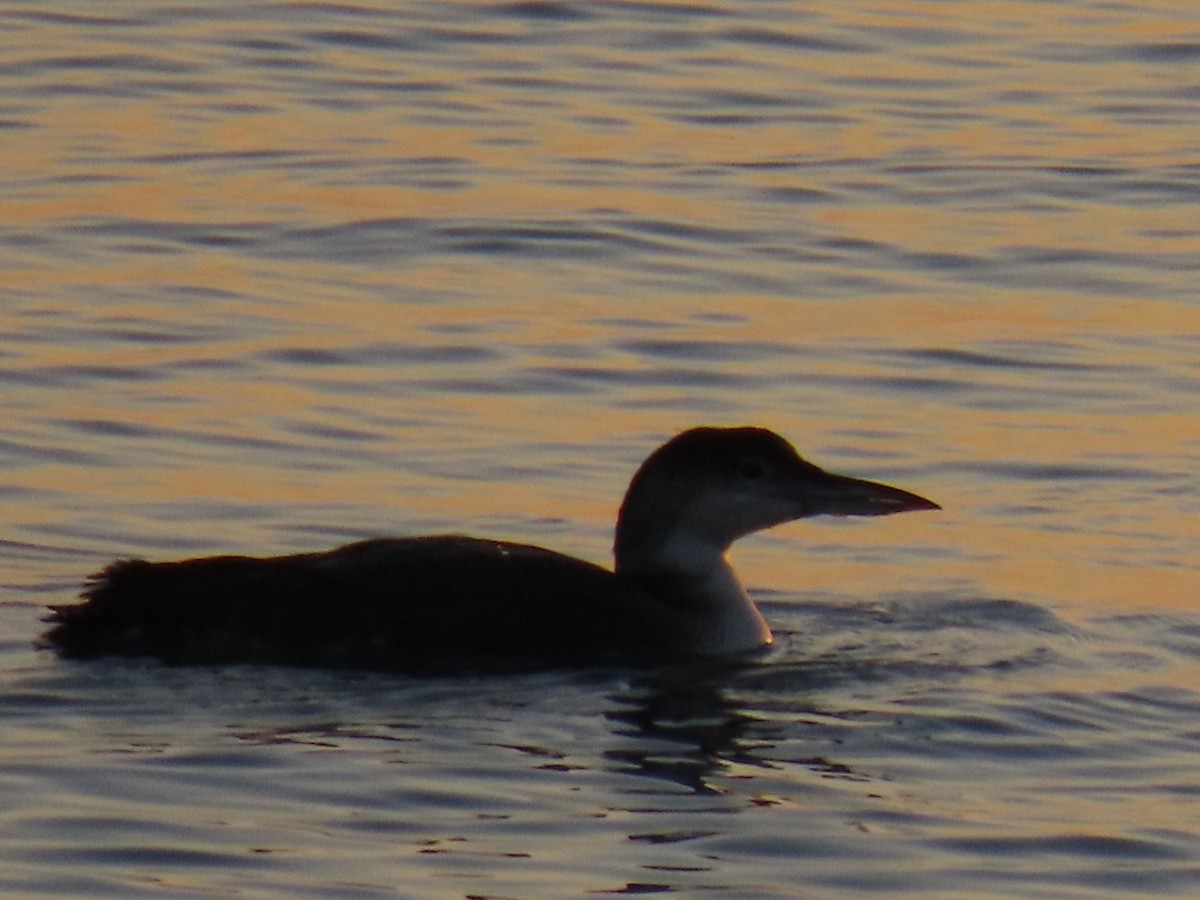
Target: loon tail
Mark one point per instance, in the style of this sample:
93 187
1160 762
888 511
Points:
178 612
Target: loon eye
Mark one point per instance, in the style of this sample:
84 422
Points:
752 470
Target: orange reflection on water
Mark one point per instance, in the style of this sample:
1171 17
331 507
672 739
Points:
193 159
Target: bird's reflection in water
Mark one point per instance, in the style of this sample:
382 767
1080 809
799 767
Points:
683 728
694 727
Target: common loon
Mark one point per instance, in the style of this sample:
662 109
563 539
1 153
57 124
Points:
450 603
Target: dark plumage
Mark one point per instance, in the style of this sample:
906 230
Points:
425 603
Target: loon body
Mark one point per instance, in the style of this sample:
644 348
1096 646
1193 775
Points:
451 603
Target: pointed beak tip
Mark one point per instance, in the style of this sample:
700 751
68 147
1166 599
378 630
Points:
914 503
895 500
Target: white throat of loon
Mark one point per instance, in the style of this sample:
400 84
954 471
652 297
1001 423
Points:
704 489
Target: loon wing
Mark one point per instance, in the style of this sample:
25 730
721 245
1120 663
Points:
411 604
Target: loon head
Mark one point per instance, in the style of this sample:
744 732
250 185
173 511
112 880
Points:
707 487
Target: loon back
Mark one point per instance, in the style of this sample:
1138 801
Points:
439 603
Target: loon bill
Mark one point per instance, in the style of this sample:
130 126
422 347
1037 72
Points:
451 603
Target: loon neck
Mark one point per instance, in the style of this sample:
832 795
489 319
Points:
697 581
